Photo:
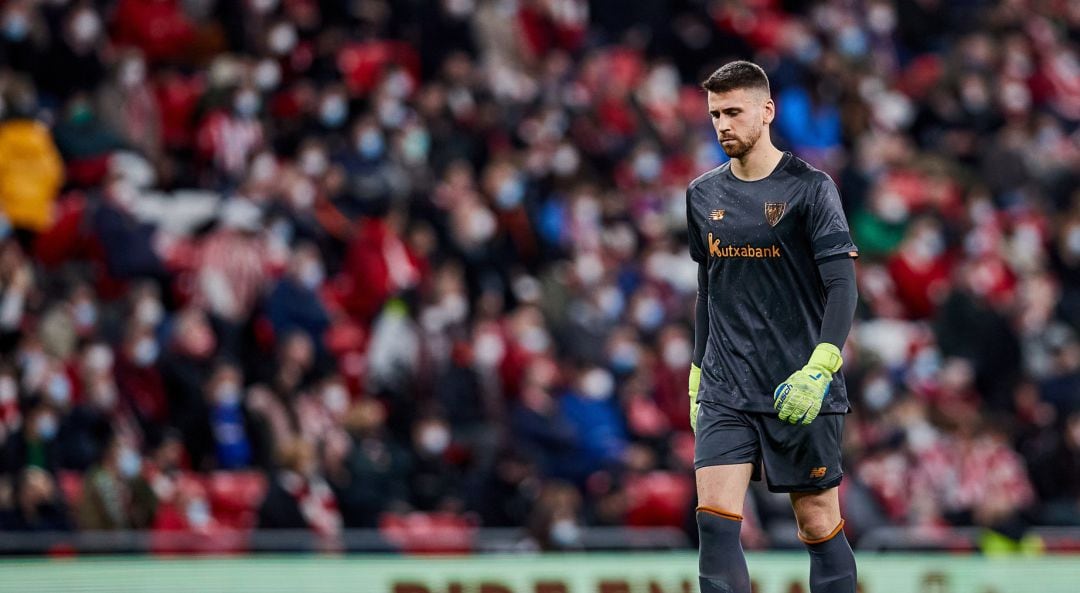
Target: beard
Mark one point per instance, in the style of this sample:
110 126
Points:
740 147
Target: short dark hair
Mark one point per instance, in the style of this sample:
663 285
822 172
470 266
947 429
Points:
737 75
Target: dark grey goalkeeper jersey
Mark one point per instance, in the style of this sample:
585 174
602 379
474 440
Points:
761 242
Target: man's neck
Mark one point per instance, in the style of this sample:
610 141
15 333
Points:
758 163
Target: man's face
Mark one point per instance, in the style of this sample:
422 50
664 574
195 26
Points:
738 116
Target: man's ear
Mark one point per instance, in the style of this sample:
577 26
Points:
769 111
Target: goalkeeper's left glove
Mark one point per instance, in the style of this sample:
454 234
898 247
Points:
695 383
799 397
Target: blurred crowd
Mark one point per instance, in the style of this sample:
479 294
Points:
429 256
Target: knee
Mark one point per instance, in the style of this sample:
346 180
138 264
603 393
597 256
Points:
815 527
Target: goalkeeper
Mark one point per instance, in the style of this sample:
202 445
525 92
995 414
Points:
776 296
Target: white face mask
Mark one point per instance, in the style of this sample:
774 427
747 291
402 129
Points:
336 399
677 353
434 439
597 384
197 513
9 389
564 533
227 394
149 312
86 26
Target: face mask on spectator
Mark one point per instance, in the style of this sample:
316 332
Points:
99 358
149 312
535 340
129 463
46 427
264 6
9 389
488 349
398 85
311 274
677 353
510 194
85 315
597 384
333 111
145 352
648 314
246 104
227 394
566 160
878 393
16 26
197 513
370 144
647 166
86 26
415 146
611 301
1072 241
282 39
336 399
434 439
624 357
564 533
391 114
58 390
313 162
267 75
132 73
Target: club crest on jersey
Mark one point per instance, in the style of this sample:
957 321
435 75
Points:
774 211
716 215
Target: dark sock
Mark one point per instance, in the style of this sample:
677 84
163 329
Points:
721 563
832 564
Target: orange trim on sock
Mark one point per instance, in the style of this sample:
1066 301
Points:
834 533
719 513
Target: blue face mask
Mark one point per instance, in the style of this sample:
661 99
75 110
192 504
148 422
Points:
129 463
510 194
415 146
46 427
370 145
333 113
16 27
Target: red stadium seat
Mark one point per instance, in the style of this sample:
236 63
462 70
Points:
429 533
235 497
658 499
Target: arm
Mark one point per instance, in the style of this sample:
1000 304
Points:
799 397
701 338
841 296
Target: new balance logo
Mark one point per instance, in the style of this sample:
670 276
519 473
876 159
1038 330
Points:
716 215
818 472
749 251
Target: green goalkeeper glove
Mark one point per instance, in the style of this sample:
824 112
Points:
799 397
695 382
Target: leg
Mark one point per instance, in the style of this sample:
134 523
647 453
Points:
721 563
832 564
726 451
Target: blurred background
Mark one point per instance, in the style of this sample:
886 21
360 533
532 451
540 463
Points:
412 275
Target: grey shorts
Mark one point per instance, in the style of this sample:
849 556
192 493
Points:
794 458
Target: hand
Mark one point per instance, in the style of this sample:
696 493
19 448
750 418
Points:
695 383
799 397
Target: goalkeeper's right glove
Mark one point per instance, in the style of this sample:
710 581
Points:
695 382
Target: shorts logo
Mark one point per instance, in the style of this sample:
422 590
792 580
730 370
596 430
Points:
818 472
716 215
774 211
